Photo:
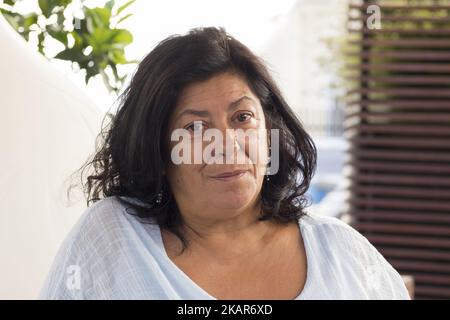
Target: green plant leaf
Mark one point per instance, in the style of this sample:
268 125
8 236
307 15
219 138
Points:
124 18
114 70
123 36
10 2
63 3
26 35
110 4
41 38
100 40
91 71
117 56
78 39
124 6
11 18
46 7
71 54
94 29
61 36
60 18
29 20
100 17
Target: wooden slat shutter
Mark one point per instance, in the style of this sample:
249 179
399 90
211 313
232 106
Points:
398 125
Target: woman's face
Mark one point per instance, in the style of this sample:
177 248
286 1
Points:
207 188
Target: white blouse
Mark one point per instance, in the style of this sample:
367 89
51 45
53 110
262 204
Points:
110 254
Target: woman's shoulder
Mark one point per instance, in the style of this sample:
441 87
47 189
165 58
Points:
107 223
338 241
100 240
108 217
313 219
334 235
332 228
99 218
328 226
104 209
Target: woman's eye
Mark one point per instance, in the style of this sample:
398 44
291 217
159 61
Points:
197 126
243 117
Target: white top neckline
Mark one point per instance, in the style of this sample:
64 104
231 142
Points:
118 256
309 267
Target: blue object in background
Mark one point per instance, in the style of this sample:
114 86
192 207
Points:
317 193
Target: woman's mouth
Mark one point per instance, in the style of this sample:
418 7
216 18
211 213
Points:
229 176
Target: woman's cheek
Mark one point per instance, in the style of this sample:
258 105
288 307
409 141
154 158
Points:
255 145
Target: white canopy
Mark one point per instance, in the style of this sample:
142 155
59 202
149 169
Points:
47 131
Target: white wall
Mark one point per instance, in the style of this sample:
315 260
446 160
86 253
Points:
47 130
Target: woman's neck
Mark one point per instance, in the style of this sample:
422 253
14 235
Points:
227 239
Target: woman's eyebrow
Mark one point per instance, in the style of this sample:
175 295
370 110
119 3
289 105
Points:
238 101
204 113
199 113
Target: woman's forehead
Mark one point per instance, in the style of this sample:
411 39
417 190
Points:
219 90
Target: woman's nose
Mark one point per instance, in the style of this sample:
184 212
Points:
231 147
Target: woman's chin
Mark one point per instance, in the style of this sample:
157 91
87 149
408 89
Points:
234 200
232 195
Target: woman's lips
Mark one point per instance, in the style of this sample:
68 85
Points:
228 176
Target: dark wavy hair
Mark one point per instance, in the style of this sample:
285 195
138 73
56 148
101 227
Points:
131 150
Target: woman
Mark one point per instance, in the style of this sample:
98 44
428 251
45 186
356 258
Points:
165 229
